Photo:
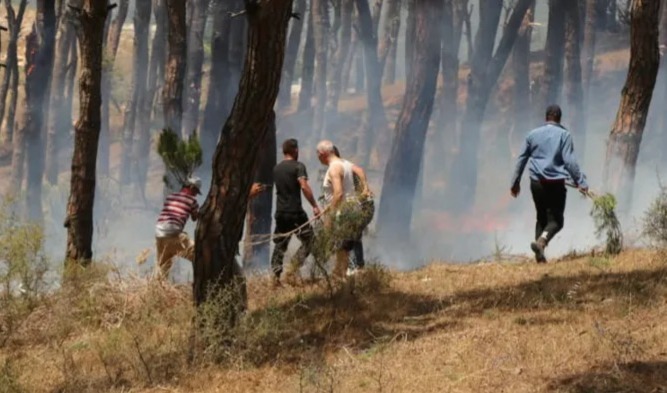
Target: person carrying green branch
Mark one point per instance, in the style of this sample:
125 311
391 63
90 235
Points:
552 163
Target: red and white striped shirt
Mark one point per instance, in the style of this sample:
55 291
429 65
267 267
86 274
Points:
178 207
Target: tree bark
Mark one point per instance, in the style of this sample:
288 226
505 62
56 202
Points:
573 79
158 59
59 121
409 39
140 59
308 66
37 91
552 80
293 43
662 81
107 83
389 44
335 85
590 31
349 60
521 74
626 133
79 222
321 39
172 95
222 214
485 71
195 64
14 21
400 179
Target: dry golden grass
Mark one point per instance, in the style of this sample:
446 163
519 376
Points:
583 325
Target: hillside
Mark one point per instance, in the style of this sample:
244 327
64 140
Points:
585 324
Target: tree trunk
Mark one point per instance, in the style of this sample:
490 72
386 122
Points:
590 31
373 135
195 65
308 66
140 59
158 59
71 77
285 94
335 85
389 44
552 80
321 39
37 91
573 82
626 133
172 95
222 214
79 222
349 60
409 39
14 21
485 71
142 127
521 75
59 121
259 218
662 83
400 179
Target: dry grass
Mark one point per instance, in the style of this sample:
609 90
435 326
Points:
584 325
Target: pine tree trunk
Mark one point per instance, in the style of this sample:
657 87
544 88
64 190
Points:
172 95
10 119
59 121
37 91
662 82
485 71
521 74
590 32
71 77
573 81
195 65
349 60
259 217
409 39
626 133
139 72
79 222
223 212
400 179
14 21
308 65
293 43
335 84
321 40
552 81
376 14
158 58
389 44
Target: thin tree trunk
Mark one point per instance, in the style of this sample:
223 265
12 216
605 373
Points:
349 60
71 77
37 90
573 82
521 75
376 14
335 85
662 82
308 66
552 81
9 121
172 95
79 222
409 39
626 133
59 121
285 94
195 65
223 212
18 150
158 57
590 32
321 38
400 179
389 43
485 71
14 21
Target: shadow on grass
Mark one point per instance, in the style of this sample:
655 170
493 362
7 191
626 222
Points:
634 377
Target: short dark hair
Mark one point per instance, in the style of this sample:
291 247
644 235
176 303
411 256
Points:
336 152
290 146
554 113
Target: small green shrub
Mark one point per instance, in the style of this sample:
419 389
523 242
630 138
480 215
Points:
606 222
655 220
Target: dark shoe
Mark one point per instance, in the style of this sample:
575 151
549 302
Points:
538 248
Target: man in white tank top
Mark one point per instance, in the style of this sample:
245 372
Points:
341 200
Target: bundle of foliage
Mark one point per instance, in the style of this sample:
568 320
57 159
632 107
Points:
606 221
181 157
655 220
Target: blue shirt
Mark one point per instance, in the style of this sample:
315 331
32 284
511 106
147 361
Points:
551 156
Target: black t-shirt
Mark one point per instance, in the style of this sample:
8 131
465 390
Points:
286 176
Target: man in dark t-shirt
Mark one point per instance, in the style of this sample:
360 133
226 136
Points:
291 179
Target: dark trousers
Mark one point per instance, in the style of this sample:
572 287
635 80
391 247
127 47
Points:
549 198
287 222
368 211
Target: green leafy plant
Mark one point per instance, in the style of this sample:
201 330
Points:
606 222
180 157
655 220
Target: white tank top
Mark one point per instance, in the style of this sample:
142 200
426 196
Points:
349 192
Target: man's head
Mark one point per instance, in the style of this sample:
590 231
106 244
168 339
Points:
554 113
291 148
325 151
193 184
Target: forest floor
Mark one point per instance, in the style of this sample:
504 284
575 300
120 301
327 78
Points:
580 324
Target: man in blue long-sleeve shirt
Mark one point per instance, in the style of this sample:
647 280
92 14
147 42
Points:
552 163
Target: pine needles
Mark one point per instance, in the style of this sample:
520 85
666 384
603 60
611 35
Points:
181 157
606 221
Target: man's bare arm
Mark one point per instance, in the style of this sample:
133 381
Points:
359 171
308 193
337 183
